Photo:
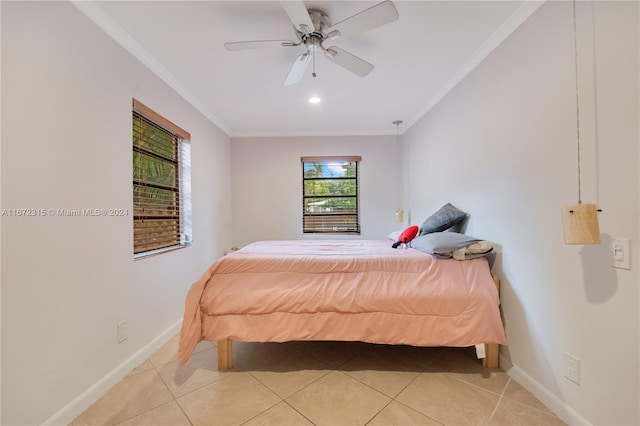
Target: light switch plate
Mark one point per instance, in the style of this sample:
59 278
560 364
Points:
621 253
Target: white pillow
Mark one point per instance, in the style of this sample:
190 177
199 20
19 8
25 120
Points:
393 236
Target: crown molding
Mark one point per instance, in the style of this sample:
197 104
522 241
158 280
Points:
116 32
99 17
303 133
517 18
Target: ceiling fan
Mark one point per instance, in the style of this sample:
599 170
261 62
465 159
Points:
312 27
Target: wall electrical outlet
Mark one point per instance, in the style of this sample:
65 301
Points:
571 368
123 331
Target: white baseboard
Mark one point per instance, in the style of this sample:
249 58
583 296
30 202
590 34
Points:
83 401
555 404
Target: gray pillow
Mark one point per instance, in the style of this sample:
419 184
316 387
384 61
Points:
446 244
443 219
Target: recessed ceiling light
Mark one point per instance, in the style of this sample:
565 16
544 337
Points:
314 100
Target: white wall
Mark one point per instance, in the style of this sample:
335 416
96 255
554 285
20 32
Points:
67 281
502 146
267 185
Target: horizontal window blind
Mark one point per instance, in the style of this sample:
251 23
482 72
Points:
330 195
157 201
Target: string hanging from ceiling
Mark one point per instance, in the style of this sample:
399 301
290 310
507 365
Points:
399 214
580 220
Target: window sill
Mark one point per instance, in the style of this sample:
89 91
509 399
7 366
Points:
144 255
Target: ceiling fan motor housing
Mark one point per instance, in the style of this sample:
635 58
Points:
313 40
320 20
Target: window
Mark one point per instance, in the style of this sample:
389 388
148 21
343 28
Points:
161 183
330 195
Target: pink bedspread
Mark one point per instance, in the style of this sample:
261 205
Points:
342 290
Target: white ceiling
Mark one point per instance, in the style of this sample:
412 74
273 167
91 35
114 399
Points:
417 59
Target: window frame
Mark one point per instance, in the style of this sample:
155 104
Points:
316 230
182 170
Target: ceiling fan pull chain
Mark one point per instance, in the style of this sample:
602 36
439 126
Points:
314 64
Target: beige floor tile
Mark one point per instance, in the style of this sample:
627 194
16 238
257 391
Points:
463 364
399 415
132 396
389 383
449 400
285 384
232 400
200 370
280 415
382 371
337 399
511 412
169 352
493 381
142 367
445 386
280 368
515 391
168 414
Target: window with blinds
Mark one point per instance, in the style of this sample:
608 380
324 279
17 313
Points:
330 195
161 183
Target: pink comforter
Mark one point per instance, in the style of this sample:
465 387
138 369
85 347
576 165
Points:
342 290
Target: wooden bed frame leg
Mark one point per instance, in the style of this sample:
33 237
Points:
492 350
224 355
491 358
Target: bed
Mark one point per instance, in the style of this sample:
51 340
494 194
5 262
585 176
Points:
345 290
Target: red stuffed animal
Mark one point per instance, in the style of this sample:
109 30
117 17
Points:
406 236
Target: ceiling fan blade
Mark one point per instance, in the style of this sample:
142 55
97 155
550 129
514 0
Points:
298 15
259 44
347 60
298 69
380 14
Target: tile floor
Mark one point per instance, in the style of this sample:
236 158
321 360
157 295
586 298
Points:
318 383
